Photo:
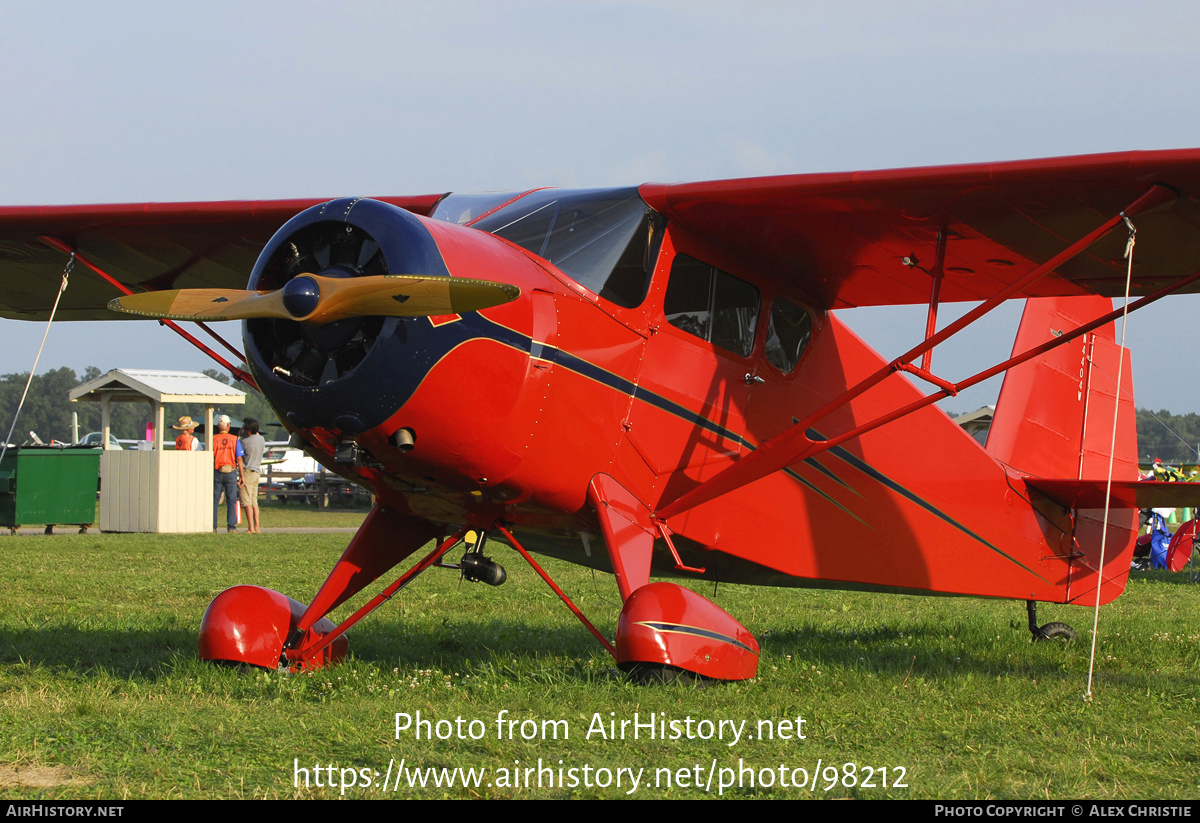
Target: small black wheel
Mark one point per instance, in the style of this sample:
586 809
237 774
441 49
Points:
241 667
1056 631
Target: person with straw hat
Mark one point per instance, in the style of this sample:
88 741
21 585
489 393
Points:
187 441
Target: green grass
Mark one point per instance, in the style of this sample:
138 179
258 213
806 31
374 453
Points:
101 694
294 514
275 515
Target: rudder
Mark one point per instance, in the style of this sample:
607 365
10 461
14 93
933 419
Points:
1055 412
1054 419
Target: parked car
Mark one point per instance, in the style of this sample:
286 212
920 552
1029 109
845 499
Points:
96 438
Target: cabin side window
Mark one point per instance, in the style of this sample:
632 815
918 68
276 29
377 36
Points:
715 306
788 331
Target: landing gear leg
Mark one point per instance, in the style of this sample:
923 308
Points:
1050 631
260 627
665 632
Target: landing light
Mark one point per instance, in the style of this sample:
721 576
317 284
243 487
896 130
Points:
477 568
474 566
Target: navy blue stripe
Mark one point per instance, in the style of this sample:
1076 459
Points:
812 461
875 474
591 371
792 474
676 628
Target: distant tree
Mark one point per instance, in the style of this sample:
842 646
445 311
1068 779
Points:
47 410
126 421
256 405
258 408
1173 438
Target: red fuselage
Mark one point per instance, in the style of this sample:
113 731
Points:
514 409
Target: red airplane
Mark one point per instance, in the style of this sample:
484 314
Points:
653 380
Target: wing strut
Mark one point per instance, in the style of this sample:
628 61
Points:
796 443
935 291
238 373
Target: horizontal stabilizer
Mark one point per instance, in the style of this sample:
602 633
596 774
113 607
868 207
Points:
1126 494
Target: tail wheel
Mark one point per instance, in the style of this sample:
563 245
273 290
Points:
1050 631
1055 631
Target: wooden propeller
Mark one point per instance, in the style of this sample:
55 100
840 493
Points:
317 300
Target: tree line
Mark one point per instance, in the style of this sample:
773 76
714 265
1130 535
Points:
47 411
1174 438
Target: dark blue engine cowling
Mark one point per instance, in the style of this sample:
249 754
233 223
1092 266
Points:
347 375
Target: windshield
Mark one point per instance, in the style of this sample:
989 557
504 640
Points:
461 209
605 239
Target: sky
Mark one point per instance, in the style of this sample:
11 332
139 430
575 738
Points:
159 101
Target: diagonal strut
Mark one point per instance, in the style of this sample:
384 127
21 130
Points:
794 444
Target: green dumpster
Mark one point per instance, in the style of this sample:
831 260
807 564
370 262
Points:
49 484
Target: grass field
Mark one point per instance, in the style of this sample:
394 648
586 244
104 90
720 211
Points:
275 515
101 694
295 515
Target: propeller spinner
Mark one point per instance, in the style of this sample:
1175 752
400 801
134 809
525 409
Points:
317 300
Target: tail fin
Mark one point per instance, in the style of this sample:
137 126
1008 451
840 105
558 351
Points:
1054 420
1055 412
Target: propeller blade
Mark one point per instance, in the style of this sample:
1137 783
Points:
405 295
317 300
202 304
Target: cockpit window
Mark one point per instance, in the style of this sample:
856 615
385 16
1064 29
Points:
714 306
788 331
463 208
605 239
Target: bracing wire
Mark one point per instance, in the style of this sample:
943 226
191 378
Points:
1112 449
62 288
1174 433
1096 367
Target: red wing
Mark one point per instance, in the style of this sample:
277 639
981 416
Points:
146 246
843 237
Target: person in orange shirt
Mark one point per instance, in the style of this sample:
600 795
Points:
187 440
227 453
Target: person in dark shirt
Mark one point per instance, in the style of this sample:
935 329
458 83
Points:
253 446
